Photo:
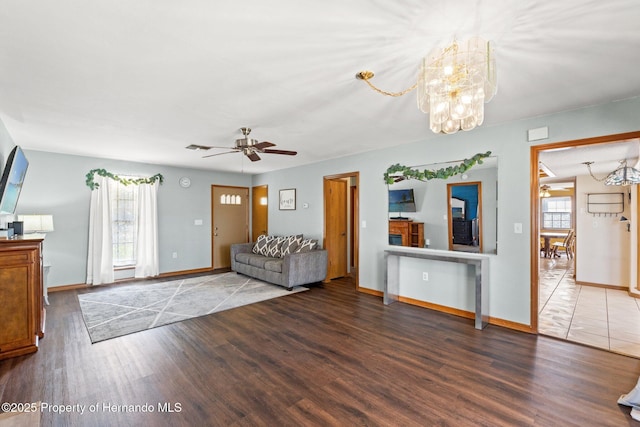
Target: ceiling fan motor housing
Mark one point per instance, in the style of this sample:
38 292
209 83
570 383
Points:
245 142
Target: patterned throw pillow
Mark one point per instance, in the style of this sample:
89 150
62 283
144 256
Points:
262 245
290 245
307 245
273 249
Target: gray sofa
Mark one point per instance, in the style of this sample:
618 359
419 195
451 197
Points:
293 269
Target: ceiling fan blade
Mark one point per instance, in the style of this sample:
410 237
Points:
286 152
219 154
264 144
253 157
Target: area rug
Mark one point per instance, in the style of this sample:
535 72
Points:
120 310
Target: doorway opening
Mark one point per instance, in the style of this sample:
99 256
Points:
464 207
341 219
569 300
259 211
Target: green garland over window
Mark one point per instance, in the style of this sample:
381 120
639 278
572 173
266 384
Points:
397 172
124 181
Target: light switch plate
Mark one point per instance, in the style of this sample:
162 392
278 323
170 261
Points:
517 228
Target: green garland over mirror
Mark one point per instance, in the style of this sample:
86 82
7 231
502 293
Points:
124 181
397 172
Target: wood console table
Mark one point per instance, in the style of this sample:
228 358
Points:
22 315
481 263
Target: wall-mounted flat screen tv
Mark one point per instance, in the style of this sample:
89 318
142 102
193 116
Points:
402 200
12 180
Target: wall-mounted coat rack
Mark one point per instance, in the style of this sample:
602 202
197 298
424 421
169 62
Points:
605 204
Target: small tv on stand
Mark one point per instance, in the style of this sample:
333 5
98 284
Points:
401 201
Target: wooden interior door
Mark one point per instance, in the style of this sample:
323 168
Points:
229 222
634 219
259 211
353 225
336 227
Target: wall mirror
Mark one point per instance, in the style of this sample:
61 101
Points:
458 213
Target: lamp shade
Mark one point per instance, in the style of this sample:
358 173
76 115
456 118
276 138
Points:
37 223
624 175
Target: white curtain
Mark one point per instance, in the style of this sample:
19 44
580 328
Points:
147 263
100 254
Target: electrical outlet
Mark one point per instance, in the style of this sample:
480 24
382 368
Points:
425 276
175 255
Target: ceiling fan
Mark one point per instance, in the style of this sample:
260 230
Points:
251 147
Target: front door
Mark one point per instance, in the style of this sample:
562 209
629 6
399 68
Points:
229 221
336 227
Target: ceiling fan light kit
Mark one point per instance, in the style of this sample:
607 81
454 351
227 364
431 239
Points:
453 85
251 147
544 191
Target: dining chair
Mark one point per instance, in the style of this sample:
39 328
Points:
566 245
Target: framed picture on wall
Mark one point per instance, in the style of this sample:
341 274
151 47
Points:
288 199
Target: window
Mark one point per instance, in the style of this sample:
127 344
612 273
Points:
230 199
123 221
556 212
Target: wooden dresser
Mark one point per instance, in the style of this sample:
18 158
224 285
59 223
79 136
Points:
412 232
22 313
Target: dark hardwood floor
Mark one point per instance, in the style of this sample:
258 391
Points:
328 356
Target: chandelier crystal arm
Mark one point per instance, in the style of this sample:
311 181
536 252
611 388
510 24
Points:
366 75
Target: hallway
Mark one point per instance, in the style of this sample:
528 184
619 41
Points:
599 317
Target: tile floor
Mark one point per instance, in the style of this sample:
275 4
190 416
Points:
603 318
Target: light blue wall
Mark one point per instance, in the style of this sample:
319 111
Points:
6 144
510 269
55 184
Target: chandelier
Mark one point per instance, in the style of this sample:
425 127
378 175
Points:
453 85
624 175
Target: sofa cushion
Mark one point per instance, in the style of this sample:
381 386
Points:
258 260
290 245
307 245
261 246
243 257
274 265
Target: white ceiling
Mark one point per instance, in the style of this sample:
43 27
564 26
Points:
140 80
